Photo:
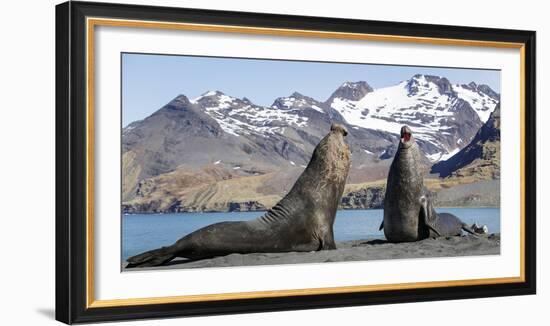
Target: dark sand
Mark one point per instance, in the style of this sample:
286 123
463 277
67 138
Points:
358 250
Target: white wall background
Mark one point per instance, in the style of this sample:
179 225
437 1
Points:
27 161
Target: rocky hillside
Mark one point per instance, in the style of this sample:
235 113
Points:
231 192
259 193
234 134
480 158
218 152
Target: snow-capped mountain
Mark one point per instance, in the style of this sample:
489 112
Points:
352 91
249 139
241 117
480 97
444 117
298 103
216 129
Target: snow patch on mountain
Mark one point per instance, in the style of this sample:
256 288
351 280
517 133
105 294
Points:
389 108
350 85
292 103
240 117
297 101
480 102
439 156
426 103
431 105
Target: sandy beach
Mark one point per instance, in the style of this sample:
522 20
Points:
358 250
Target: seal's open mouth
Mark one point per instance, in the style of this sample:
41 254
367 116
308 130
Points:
405 134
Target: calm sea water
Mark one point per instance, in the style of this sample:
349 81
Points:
142 232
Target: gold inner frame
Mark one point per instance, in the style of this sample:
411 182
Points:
91 22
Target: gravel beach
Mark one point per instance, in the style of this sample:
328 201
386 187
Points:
358 250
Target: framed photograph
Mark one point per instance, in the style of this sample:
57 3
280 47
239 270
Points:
214 162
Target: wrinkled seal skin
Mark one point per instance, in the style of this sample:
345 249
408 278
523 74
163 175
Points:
302 221
408 211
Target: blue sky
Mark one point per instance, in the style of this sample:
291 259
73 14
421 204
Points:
151 81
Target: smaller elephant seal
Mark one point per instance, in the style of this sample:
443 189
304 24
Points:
440 224
302 221
409 214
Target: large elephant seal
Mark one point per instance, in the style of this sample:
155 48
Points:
302 221
409 214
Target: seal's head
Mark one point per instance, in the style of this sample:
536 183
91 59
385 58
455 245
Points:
336 127
406 137
483 229
331 157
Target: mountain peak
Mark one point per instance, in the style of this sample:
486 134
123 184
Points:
356 84
212 93
217 100
295 99
422 82
353 91
179 101
297 95
488 91
482 89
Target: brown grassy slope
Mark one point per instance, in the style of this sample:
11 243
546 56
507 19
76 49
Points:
210 189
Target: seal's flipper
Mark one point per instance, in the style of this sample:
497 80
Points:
326 241
428 214
433 229
381 226
466 228
328 245
149 258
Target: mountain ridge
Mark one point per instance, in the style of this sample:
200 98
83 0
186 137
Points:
248 140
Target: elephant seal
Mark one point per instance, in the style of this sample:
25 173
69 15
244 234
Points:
409 214
302 221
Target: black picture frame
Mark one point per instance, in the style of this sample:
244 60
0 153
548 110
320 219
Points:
72 299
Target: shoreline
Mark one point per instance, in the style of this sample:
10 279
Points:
349 251
263 211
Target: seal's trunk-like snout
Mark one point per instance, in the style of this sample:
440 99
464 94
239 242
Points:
336 127
407 138
406 134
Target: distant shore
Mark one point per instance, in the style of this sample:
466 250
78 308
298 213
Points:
265 210
463 193
356 250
